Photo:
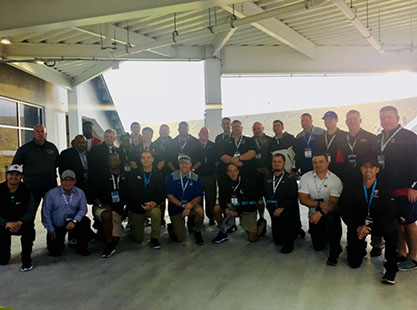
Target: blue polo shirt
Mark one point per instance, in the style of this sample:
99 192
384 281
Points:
192 188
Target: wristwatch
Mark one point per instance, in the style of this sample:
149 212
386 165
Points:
318 206
100 205
74 221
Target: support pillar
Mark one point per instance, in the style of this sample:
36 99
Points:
213 111
74 113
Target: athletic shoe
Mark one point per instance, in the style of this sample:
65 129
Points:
155 244
221 237
389 277
198 238
375 252
401 258
332 261
73 243
108 251
212 222
27 267
286 249
407 265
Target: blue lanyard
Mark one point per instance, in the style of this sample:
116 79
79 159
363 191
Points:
369 200
147 180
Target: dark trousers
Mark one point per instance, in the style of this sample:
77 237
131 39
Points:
284 227
80 232
210 193
327 231
40 188
27 233
356 249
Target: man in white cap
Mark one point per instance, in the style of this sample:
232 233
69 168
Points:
17 213
64 209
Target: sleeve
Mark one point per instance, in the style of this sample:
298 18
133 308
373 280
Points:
337 188
63 162
412 155
19 157
82 207
3 222
57 155
303 187
252 145
344 207
46 213
298 154
198 153
170 188
29 216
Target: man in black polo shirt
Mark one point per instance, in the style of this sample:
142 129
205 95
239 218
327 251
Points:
207 173
365 206
281 194
17 213
40 159
396 149
146 193
331 144
223 137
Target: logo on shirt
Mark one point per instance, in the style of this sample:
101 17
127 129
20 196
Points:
376 194
50 152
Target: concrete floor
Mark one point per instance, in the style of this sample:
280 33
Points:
232 275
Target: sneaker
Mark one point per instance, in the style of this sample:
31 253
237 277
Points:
332 261
72 243
221 237
375 252
25 268
212 222
407 265
401 258
155 244
198 238
108 251
83 251
232 229
389 277
286 249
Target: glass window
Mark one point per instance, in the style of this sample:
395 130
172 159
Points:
26 136
30 116
8 112
9 142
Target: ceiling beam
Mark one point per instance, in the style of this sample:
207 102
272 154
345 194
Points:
31 16
221 40
121 37
275 28
44 73
91 73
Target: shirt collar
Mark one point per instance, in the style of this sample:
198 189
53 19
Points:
62 191
327 175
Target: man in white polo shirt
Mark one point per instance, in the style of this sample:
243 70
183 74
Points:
320 190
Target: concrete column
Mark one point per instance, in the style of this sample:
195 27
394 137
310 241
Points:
74 113
213 112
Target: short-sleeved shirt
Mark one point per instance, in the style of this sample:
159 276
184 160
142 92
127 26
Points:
318 189
209 158
190 147
192 189
261 158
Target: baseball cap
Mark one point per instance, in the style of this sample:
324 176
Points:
370 160
330 114
184 158
15 168
68 174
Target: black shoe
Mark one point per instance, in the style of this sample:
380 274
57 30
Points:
286 249
212 222
389 277
83 251
232 229
155 244
72 243
301 233
375 252
332 261
198 238
401 258
26 267
108 251
260 222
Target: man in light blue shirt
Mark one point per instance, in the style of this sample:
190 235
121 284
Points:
64 209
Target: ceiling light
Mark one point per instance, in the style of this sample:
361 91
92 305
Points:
5 41
39 62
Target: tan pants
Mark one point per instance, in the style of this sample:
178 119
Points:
138 224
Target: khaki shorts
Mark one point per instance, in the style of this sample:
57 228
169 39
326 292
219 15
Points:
178 224
248 221
116 217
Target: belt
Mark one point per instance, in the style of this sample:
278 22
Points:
400 192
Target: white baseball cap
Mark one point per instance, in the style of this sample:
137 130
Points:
15 168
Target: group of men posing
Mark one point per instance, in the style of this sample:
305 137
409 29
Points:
367 181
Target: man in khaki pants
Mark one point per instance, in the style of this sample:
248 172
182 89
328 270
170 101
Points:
146 188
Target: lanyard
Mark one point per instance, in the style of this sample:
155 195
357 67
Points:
318 189
369 199
115 182
276 184
238 144
83 157
276 139
309 138
68 205
204 145
183 146
223 136
147 180
354 142
236 187
328 144
384 145
184 187
257 143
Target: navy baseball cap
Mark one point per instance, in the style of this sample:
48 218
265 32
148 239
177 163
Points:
330 114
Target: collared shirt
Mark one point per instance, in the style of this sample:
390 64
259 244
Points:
318 188
58 206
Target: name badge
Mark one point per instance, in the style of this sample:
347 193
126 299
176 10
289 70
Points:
308 153
369 220
237 154
352 160
115 197
127 168
258 156
184 201
329 157
234 201
381 160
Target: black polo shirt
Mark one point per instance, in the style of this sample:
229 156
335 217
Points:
261 158
242 190
191 147
286 194
209 158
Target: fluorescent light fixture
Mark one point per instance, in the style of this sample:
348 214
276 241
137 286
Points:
5 41
39 62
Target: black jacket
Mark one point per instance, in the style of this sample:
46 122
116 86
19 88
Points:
208 162
139 194
70 159
192 148
244 192
17 206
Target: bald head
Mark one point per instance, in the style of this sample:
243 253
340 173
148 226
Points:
39 134
258 129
